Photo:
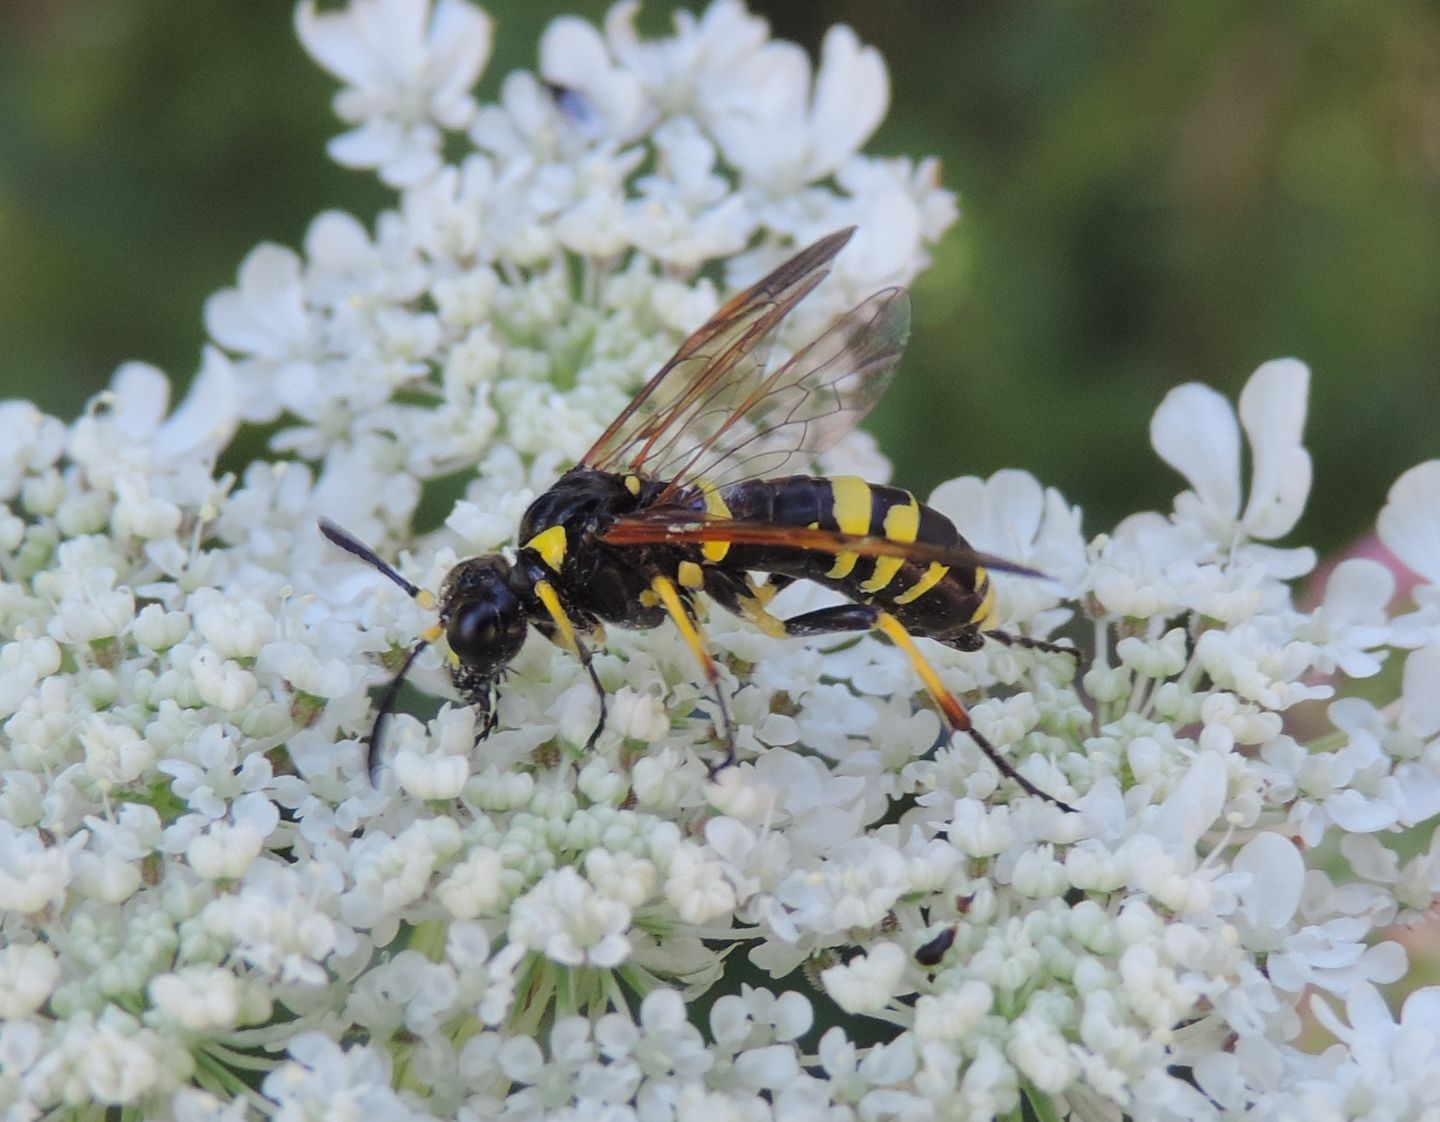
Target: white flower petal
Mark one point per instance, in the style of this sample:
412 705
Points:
141 394
1194 431
1357 591
852 92
265 314
1352 811
1195 803
1422 1009
208 416
460 38
1409 525
1421 716
331 43
573 57
1272 409
1277 878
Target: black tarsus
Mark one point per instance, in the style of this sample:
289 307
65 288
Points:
1005 638
387 706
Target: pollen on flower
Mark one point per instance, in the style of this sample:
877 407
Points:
201 999
28 973
571 923
869 982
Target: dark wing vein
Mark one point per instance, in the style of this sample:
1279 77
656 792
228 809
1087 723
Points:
714 354
760 425
683 526
716 412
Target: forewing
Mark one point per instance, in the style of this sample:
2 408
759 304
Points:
684 526
763 424
720 361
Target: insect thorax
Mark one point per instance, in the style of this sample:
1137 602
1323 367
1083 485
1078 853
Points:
583 501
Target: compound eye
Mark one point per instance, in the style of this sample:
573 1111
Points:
473 633
487 633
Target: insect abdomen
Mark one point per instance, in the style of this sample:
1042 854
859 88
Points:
928 598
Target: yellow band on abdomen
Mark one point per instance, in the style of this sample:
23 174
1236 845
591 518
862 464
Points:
850 507
902 524
985 613
933 576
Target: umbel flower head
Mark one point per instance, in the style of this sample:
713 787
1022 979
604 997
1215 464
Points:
209 912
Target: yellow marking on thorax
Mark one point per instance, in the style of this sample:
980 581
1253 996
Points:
550 545
632 484
714 552
850 506
902 524
564 628
690 575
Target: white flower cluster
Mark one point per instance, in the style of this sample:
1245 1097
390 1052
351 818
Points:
209 913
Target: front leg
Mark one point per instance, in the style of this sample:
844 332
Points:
586 660
565 634
478 692
388 701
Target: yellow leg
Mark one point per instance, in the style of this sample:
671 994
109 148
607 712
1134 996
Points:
753 608
954 713
565 634
669 597
566 637
945 701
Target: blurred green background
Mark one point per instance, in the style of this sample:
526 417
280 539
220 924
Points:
1151 194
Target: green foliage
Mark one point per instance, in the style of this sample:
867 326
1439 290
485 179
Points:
1152 194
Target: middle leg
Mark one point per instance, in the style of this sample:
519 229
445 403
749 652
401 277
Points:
684 618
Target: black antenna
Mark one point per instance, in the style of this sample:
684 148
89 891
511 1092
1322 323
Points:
353 545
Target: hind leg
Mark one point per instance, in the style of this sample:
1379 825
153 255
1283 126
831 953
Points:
867 617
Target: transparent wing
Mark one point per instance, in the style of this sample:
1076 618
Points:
758 426
722 348
715 411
